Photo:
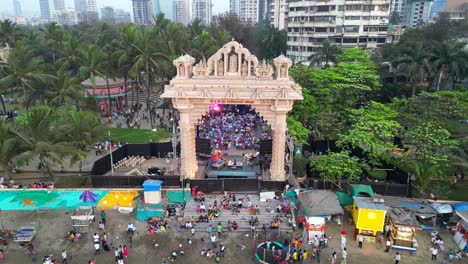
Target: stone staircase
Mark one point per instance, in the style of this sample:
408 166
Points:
242 218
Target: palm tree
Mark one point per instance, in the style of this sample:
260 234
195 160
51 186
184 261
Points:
9 147
9 33
196 28
149 59
84 128
160 24
22 68
272 42
125 56
92 65
204 46
221 37
450 59
414 64
175 40
325 54
44 137
71 55
64 88
53 36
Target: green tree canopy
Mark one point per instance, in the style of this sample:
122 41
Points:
334 166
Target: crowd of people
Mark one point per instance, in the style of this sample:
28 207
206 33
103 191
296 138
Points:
232 127
36 185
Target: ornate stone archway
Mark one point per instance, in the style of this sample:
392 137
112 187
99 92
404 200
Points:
232 76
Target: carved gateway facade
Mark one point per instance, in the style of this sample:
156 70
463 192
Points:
232 76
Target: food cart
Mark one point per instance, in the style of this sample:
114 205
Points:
82 218
315 226
461 231
315 207
369 216
404 226
25 234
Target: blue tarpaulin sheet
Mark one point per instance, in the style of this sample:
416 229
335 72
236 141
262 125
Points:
412 205
460 207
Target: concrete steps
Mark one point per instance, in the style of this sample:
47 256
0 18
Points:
242 218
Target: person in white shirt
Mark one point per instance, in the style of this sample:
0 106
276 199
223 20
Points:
202 208
345 254
397 258
64 256
97 248
361 239
388 244
434 253
96 238
131 228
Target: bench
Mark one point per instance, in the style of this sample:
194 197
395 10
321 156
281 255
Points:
401 248
125 210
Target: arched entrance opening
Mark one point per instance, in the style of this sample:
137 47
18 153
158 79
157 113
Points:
233 141
232 76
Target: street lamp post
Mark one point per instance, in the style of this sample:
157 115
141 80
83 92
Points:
174 146
110 153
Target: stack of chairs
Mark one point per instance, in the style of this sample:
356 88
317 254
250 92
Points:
129 162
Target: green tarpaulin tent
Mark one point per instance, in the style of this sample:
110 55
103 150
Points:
362 190
344 198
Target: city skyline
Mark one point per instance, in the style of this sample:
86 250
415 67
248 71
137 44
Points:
30 8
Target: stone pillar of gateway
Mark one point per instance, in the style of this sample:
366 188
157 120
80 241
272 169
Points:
232 76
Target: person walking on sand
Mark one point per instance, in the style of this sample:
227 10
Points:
397 258
345 255
219 229
103 217
387 245
434 253
64 256
360 240
125 251
333 258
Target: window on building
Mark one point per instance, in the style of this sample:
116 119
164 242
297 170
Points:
341 8
362 40
320 29
350 40
381 40
323 8
382 28
351 29
353 7
332 29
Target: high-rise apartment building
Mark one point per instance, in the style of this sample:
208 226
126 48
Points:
108 14
397 6
59 4
416 12
437 7
234 6
86 10
202 9
182 12
457 9
342 22
168 8
44 6
142 11
80 5
65 17
277 13
249 11
122 17
17 8
91 5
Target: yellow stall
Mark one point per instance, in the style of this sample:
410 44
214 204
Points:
369 216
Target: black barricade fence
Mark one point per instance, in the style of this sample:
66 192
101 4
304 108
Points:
99 181
102 165
266 146
203 145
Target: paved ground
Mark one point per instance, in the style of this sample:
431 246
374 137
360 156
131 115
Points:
53 226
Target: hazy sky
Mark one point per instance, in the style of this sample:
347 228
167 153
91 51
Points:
31 7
